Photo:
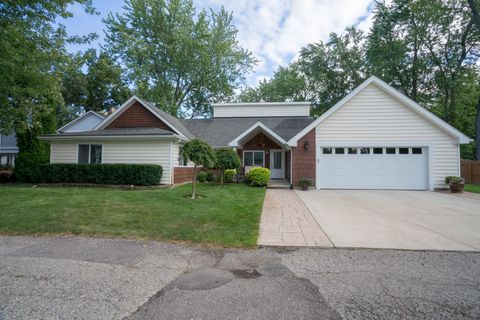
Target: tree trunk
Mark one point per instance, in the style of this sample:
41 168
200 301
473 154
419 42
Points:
194 182
221 178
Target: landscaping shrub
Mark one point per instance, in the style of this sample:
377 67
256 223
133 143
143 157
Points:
258 176
136 174
6 175
230 175
202 176
211 176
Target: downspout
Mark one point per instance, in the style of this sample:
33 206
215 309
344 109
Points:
291 168
171 163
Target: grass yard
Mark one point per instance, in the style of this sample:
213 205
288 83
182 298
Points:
226 216
472 187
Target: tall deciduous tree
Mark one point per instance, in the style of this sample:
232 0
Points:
178 58
31 46
475 8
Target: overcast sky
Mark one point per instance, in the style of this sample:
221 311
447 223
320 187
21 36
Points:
274 30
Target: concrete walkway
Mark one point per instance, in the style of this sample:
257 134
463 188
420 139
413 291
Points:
286 221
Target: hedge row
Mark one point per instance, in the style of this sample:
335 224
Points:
131 174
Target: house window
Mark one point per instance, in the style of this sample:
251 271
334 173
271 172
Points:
89 153
403 150
253 158
181 161
352 150
327 150
365 151
377 150
339 150
390 150
416 150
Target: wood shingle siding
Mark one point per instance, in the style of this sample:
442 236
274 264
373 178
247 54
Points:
373 116
138 116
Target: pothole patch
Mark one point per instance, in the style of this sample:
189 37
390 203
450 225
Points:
203 279
246 274
273 270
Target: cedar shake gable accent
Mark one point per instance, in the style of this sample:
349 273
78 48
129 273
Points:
137 116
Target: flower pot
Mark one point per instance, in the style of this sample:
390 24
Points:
456 187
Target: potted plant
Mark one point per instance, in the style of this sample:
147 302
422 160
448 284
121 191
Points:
305 182
455 183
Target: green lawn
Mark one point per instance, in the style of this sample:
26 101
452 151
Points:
226 216
472 187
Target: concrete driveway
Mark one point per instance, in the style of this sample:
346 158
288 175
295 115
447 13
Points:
417 220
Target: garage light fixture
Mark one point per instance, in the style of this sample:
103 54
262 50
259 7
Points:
306 145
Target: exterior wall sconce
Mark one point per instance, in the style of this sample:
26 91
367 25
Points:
306 145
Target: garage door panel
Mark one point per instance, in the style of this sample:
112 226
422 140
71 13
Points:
371 170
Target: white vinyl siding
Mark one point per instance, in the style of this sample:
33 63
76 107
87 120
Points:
262 110
148 152
374 117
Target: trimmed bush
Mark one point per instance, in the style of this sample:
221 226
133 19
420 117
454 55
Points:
230 175
136 174
258 176
202 176
211 176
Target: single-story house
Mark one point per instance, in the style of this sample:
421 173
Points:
374 138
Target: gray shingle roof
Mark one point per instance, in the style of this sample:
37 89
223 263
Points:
218 132
116 132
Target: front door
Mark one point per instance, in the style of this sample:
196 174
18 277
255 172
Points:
277 164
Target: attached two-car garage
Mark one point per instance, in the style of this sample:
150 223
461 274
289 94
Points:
377 138
376 167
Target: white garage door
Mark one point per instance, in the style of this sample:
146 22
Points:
372 168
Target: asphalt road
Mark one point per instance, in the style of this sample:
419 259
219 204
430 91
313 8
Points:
93 278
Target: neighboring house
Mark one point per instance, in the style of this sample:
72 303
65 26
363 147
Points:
8 149
374 138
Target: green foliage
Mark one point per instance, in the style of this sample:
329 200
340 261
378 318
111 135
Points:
31 51
202 176
211 176
453 179
91 82
226 158
33 152
304 181
229 175
258 176
129 174
177 57
199 152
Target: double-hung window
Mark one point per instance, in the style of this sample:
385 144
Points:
89 153
253 158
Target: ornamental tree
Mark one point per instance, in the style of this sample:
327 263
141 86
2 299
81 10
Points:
226 159
201 154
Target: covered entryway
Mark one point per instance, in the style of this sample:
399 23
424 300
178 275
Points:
380 167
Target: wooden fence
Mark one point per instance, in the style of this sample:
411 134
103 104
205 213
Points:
470 170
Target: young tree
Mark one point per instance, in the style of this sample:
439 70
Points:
201 154
226 158
176 57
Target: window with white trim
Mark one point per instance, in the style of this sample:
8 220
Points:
89 153
181 160
253 158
